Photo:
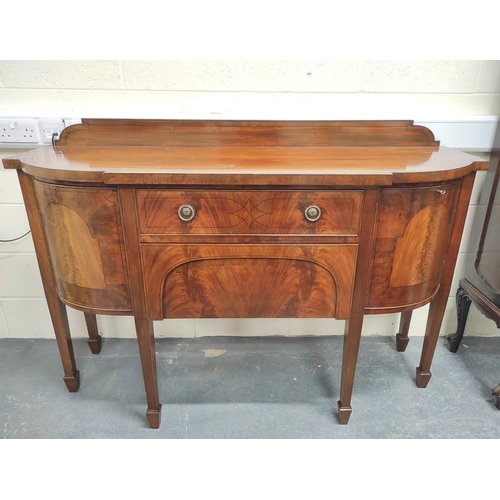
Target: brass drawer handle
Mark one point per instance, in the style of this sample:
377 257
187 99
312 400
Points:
312 213
186 213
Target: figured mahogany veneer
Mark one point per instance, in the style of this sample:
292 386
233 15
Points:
249 212
85 240
248 281
410 241
167 219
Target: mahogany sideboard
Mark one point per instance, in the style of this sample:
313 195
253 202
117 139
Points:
164 219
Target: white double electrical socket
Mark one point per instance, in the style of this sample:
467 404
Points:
18 130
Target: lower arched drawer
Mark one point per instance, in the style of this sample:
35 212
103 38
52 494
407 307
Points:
248 281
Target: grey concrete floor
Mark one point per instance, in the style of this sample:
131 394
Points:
258 388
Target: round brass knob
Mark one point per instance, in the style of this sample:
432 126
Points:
312 213
186 213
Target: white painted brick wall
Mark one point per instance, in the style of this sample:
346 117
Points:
434 77
61 75
241 89
220 76
420 90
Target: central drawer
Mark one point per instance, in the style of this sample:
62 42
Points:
249 212
248 281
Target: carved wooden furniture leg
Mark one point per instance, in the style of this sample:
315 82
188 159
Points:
434 320
57 309
438 304
404 326
353 326
463 306
95 340
143 326
59 319
496 393
145 339
352 337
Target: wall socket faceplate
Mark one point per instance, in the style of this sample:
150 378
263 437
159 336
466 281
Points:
49 126
18 130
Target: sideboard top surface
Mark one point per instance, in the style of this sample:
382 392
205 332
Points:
285 153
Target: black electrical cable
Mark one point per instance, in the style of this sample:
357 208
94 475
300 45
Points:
15 239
